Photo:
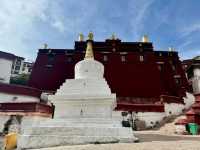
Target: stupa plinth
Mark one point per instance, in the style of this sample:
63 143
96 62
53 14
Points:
83 112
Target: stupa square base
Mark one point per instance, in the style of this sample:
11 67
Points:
57 132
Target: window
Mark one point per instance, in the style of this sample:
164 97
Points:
172 64
160 67
30 69
50 58
123 58
178 81
141 58
69 59
18 63
105 58
17 67
173 68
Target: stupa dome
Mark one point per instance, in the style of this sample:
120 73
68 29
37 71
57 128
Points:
89 68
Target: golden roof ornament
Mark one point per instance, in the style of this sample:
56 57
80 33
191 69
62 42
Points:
81 37
90 36
171 49
45 46
89 51
113 37
145 39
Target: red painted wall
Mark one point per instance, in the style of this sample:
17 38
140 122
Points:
131 78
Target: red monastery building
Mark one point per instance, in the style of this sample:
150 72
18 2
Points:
135 71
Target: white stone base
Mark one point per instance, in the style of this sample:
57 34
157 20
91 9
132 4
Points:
98 106
150 118
173 109
54 132
180 129
189 100
3 120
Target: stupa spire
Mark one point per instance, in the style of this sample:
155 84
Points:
89 51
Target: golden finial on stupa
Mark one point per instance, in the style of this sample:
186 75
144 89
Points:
90 36
81 37
113 37
89 51
45 46
145 39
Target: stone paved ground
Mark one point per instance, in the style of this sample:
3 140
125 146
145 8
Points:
149 140
1 143
170 145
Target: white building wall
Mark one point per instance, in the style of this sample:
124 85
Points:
5 70
4 98
189 100
196 81
150 118
173 109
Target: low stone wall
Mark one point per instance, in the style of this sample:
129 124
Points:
1 143
3 120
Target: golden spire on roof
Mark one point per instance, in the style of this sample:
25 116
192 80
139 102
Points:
113 37
145 39
171 49
81 37
45 46
90 36
89 51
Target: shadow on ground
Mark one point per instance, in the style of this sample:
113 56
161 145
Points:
149 137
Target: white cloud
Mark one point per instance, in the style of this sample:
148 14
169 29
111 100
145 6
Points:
59 25
18 22
139 11
186 31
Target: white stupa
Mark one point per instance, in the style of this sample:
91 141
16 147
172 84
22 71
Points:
86 96
83 112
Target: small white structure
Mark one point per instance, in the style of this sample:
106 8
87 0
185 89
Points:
6 61
83 112
196 80
11 66
26 67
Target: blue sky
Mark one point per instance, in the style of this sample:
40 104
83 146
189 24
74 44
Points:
25 25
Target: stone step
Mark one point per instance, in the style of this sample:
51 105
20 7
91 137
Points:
85 96
44 141
63 124
75 122
95 89
76 130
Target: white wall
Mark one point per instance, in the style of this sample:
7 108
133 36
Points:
5 70
189 100
197 72
150 118
196 81
4 97
3 120
173 109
